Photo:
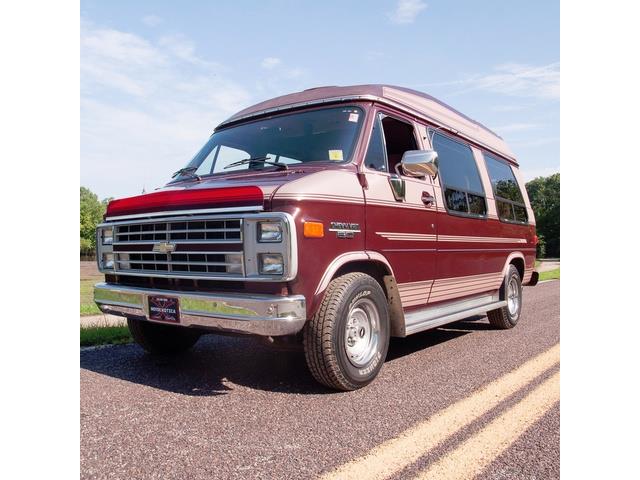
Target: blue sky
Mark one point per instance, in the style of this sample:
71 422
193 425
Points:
156 77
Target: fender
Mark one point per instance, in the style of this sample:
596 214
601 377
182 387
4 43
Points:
345 258
528 271
511 256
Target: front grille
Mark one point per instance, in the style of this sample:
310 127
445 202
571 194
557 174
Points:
180 248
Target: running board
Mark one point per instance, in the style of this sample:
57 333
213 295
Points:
432 317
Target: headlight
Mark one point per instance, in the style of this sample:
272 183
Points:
106 236
270 232
107 261
270 264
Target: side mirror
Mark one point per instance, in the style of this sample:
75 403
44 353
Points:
419 163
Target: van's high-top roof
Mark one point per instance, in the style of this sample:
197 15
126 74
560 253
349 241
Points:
417 103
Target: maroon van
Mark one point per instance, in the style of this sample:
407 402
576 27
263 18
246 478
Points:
336 217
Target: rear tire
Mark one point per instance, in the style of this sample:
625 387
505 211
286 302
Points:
508 316
162 339
346 341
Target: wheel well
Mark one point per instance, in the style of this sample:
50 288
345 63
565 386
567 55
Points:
374 269
519 264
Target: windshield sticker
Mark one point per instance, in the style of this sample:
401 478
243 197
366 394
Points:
353 117
335 155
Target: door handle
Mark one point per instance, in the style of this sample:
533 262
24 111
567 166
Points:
427 198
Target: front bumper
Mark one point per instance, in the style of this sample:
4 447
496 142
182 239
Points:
267 315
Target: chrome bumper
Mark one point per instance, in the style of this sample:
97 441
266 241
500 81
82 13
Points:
267 315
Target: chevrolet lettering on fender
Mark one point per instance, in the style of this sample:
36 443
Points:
344 230
349 214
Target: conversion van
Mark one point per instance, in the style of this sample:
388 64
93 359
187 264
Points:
336 217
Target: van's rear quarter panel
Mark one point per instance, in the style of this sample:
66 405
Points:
471 257
465 249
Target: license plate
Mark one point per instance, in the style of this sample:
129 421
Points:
164 309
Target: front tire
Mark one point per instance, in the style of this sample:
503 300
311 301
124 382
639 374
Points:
346 341
162 339
508 316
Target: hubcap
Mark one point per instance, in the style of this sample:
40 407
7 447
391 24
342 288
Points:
513 297
362 332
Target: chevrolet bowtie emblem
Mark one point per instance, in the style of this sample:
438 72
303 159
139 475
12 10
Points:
164 247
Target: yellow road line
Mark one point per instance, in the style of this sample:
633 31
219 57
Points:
393 455
476 453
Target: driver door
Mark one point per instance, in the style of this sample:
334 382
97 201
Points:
400 225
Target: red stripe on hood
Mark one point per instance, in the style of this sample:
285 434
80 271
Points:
186 199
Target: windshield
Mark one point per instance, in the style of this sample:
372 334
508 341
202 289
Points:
325 135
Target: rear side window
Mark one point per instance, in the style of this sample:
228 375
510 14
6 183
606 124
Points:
509 201
461 182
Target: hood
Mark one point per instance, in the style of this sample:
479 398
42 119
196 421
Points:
242 191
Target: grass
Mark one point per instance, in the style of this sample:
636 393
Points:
90 336
87 306
550 275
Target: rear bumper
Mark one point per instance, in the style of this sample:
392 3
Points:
267 315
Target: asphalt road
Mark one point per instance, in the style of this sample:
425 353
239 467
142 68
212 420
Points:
456 402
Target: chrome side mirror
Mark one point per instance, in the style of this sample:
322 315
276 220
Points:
419 163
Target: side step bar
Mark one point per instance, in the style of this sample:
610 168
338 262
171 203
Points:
432 317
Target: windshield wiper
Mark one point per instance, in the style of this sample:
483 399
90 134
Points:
266 160
191 171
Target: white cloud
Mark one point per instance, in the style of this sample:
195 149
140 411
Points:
406 11
279 70
514 127
539 172
508 108
519 80
525 80
152 20
535 142
146 107
514 79
270 63
185 49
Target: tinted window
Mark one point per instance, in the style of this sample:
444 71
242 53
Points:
502 180
477 204
460 177
456 200
375 159
520 213
509 201
457 165
505 211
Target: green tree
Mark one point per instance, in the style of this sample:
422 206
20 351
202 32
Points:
91 212
544 193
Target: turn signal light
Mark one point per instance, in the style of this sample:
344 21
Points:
313 230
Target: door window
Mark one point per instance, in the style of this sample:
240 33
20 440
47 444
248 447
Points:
463 191
390 138
376 158
509 201
398 138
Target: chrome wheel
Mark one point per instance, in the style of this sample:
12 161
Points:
362 332
513 296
